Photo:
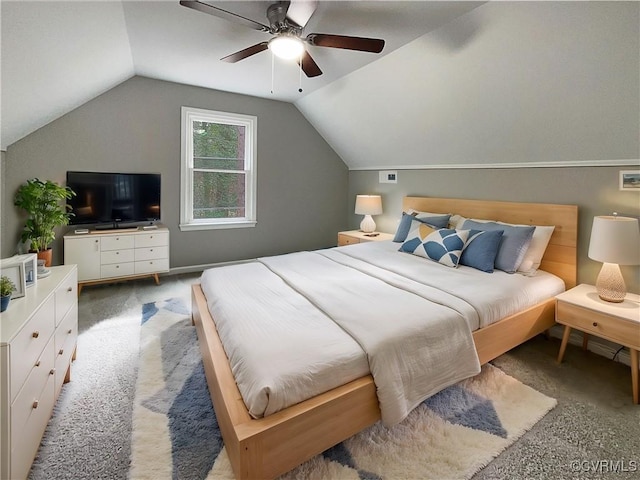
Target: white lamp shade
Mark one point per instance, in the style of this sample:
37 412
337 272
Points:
368 205
615 240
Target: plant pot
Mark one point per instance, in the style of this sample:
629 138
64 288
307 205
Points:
47 256
4 302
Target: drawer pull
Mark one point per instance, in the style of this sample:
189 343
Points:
61 351
70 289
35 334
595 324
70 331
52 371
35 404
38 363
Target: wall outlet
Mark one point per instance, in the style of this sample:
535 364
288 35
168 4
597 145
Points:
388 176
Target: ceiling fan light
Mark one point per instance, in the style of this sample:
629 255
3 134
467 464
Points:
286 47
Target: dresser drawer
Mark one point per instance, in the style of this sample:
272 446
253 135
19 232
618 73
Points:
346 240
155 239
29 343
26 436
119 242
600 324
151 253
116 256
22 406
116 270
152 266
66 295
65 343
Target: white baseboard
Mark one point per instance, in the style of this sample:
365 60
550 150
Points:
596 345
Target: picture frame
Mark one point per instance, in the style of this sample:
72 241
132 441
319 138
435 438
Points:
15 273
30 261
629 180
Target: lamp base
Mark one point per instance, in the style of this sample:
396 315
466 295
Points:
368 225
610 283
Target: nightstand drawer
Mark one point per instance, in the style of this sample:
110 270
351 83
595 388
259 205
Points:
346 240
599 324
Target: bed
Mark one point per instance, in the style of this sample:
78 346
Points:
269 446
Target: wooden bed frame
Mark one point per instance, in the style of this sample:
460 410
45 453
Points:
271 446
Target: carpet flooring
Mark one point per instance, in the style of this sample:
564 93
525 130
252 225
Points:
451 435
591 434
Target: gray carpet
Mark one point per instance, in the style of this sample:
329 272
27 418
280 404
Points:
593 431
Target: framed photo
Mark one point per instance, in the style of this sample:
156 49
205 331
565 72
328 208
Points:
15 272
630 180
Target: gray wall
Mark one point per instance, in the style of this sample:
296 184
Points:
517 83
593 189
135 127
2 201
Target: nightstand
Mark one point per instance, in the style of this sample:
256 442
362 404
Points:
356 236
581 308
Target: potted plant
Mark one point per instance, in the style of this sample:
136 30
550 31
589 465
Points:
6 289
43 202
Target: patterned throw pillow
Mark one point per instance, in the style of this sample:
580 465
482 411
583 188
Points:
407 222
444 246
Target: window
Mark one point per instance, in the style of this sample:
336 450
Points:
218 170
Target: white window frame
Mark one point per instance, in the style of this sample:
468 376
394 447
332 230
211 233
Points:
190 115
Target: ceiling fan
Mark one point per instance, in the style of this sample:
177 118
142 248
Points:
287 20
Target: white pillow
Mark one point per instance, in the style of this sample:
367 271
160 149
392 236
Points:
537 247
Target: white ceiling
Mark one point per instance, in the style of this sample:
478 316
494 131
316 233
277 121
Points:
58 55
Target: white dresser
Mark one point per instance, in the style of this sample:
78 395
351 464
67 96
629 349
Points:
118 255
38 335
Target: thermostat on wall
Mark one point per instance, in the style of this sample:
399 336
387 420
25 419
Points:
388 176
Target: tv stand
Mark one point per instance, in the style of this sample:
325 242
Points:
109 256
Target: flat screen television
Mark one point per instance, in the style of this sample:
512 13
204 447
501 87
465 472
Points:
114 200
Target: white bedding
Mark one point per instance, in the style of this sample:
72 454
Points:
297 325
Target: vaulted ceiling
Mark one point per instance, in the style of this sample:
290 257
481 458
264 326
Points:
58 55
458 84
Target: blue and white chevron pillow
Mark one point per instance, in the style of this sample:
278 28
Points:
444 245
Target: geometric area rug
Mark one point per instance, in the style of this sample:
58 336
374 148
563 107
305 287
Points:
451 435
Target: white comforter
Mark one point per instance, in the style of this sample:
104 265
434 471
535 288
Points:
297 325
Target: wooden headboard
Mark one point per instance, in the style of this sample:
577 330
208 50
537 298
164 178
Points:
560 258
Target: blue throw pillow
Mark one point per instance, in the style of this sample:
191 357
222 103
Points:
404 227
444 246
482 249
514 244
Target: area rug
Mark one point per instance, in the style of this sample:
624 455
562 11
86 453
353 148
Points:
451 435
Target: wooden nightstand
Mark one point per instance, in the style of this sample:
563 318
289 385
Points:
581 308
356 236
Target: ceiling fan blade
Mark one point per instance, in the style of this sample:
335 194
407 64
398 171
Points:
374 45
300 11
309 66
247 52
221 13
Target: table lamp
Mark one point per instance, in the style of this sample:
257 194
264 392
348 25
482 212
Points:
368 205
614 241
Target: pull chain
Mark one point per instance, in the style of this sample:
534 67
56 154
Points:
272 69
300 75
